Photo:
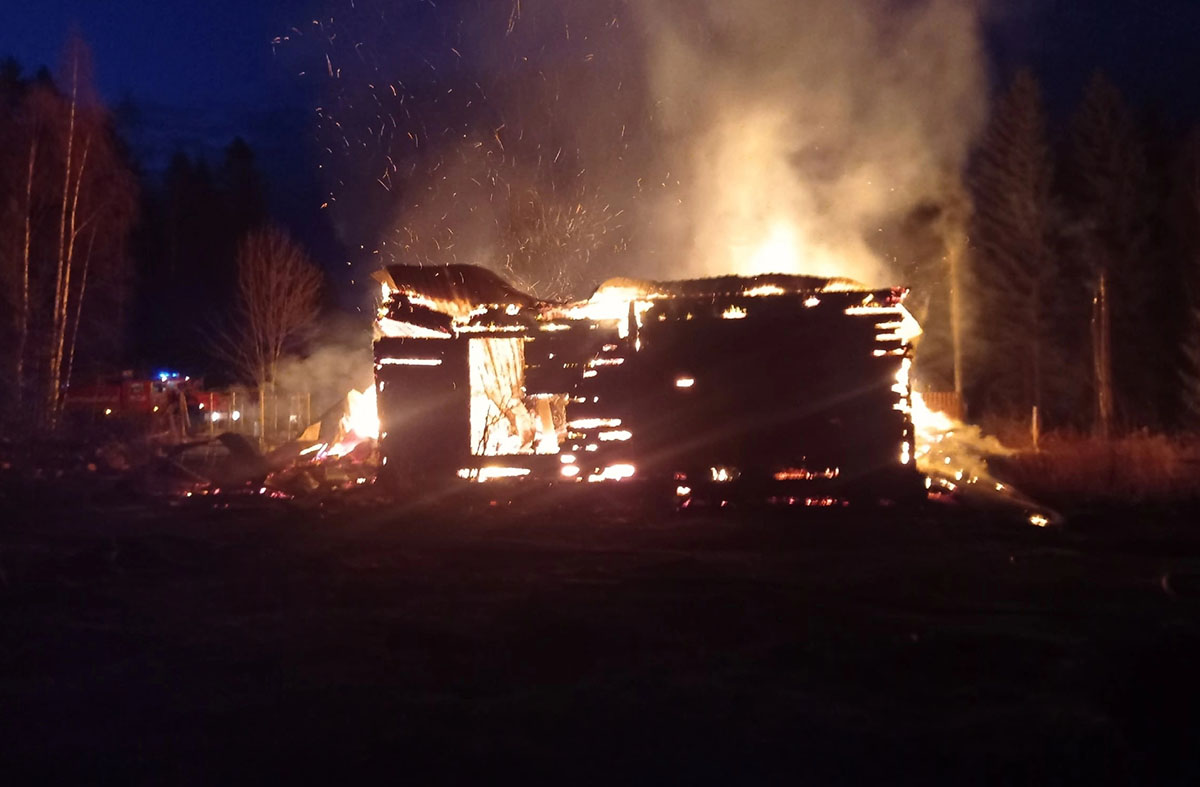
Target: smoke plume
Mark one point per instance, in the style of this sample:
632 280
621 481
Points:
342 361
564 141
801 128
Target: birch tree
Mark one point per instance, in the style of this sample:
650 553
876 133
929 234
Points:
70 206
277 306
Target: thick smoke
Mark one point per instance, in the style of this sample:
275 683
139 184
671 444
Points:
342 361
562 141
801 128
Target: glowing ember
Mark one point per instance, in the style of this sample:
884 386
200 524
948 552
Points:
800 474
723 474
766 289
403 330
904 328
485 474
613 473
593 423
410 361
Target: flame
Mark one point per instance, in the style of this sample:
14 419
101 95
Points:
484 474
362 414
764 289
613 473
778 253
361 422
786 246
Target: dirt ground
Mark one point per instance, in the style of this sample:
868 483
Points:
187 645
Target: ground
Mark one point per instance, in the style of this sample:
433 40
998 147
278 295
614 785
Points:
185 645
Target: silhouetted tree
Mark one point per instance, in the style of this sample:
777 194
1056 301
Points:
187 250
1111 203
242 187
63 228
278 302
1012 264
1188 217
1189 369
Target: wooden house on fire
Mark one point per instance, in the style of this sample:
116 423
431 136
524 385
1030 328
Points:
778 388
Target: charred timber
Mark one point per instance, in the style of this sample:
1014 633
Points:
791 389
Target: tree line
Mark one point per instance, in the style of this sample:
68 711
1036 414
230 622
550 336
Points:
105 267
70 201
1080 276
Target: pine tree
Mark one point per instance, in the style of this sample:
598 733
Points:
1012 265
1112 202
242 185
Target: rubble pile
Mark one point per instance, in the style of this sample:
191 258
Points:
34 473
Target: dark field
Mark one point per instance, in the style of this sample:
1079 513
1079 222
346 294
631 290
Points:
265 642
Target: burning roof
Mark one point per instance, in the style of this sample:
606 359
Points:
468 285
475 287
768 284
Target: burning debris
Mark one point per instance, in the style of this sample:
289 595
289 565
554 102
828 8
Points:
953 457
786 388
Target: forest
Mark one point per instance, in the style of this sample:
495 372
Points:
106 266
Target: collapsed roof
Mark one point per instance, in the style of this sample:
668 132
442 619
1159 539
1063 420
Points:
772 379
476 287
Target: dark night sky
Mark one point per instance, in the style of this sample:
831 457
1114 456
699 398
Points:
215 60
197 73
1148 48
213 52
202 72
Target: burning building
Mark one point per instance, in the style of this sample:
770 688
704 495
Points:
774 387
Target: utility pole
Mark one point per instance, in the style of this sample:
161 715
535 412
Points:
1102 357
956 213
956 246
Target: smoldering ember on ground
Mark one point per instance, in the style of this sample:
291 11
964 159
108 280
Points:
604 390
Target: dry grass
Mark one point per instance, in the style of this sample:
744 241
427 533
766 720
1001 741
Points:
1140 467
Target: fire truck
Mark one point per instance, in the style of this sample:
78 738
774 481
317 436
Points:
167 400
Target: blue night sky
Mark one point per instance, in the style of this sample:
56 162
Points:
201 73
198 73
205 71
1148 48
213 51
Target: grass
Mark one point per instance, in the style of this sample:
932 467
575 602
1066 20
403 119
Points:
209 645
1141 467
